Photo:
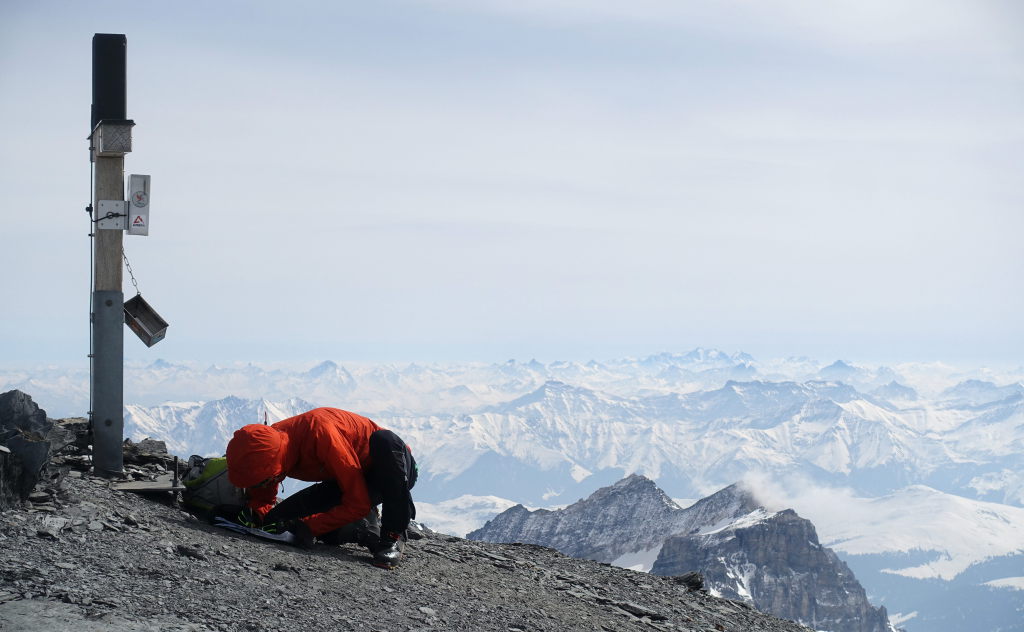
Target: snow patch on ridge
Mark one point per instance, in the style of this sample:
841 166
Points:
897 619
742 574
1013 583
748 520
639 560
461 515
579 473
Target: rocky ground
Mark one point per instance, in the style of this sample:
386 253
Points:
81 556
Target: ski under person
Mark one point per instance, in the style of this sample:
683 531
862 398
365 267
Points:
358 463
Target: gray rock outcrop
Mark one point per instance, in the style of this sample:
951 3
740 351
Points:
630 516
778 564
30 440
23 431
744 552
600 527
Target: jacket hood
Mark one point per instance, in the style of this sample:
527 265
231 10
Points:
255 453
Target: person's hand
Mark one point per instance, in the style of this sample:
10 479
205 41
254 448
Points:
303 536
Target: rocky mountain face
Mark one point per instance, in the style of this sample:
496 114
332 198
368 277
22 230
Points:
772 560
776 562
630 516
601 527
81 556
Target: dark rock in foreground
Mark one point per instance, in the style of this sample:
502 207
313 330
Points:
36 450
29 439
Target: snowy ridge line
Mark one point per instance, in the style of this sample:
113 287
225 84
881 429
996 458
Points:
423 388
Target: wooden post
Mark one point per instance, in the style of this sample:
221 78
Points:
109 185
109 140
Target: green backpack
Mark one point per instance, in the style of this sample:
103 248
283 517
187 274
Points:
207 486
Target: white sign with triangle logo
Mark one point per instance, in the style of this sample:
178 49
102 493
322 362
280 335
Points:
138 205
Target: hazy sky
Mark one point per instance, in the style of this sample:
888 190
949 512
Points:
464 179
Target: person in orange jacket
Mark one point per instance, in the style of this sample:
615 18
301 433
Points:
357 464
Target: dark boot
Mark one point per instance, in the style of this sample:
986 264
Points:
367 531
367 538
389 551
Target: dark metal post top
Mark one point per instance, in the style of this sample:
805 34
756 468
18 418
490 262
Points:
109 78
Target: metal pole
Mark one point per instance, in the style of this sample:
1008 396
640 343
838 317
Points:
107 372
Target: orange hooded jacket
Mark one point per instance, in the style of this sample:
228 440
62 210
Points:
319 445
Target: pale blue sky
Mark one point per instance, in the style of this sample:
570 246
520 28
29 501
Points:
449 180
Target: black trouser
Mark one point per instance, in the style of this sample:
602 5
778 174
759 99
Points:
390 476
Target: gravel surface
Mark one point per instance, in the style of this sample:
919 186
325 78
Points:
88 558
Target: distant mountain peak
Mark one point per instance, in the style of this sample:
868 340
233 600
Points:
979 392
634 480
632 514
324 368
699 358
556 388
728 503
839 370
633 488
975 383
895 391
551 391
328 371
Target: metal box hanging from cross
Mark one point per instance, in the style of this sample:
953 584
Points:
144 321
138 205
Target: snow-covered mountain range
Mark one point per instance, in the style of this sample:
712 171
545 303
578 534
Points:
204 427
915 470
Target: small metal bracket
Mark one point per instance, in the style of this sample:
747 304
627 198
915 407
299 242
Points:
112 215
